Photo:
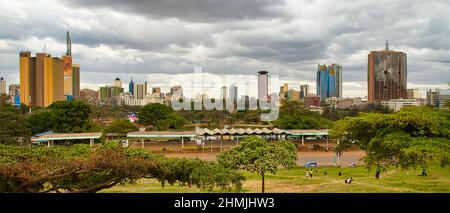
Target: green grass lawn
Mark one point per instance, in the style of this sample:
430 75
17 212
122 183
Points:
293 180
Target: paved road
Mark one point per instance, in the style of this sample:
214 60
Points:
322 158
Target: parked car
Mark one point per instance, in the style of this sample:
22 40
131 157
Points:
311 164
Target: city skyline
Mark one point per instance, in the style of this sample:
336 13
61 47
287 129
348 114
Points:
234 45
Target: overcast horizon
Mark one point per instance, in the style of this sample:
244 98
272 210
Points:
161 41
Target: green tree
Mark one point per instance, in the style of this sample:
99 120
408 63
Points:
294 116
392 139
160 116
254 154
40 122
176 121
151 113
122 126
70 116
13 128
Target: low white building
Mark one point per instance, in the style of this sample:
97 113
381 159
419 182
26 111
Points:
397 104
131 100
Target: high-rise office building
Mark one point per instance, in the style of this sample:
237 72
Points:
283 91
233 92
67 58
263 85
14 89
156 90
14 93
438 98
139 91
223 92
145 88
41 79
304 90
131 86
329 81
76 80
106 93
118 82
386 75
293 95
176 91
2 86
412 93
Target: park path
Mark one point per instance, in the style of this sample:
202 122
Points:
321 157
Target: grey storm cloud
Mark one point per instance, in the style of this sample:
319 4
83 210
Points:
288 38
193 10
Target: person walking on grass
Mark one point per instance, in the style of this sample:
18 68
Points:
306 173
311 173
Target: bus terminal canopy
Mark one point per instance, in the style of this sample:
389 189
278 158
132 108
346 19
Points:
49 138
162 134
240 131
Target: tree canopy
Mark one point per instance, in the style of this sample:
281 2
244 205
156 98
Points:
255 154
122 126
160 116
13 128
294 116
415 136
70 116
82 169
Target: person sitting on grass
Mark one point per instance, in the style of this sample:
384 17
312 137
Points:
348 180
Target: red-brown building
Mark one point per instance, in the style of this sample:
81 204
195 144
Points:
386 75
311 100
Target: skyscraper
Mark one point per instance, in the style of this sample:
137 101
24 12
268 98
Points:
412 93
304 90
386 75
118 82
67 58
2 86
145 88
438 98
41 79
156 90
329 81
76 80
106 93
176 91
131 86
263 85
233 92
14 93
139 91
223 92
14 89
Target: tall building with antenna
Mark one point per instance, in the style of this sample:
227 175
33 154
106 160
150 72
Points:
68 73
386 75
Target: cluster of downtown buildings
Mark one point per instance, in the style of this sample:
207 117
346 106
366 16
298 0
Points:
45 79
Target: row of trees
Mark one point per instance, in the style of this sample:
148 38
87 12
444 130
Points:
413 137
80 169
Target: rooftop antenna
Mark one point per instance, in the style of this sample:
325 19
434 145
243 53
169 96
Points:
387 45
68 44
44 50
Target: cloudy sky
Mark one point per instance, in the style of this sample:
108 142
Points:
160 41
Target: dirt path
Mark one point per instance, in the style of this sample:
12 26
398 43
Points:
322 158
